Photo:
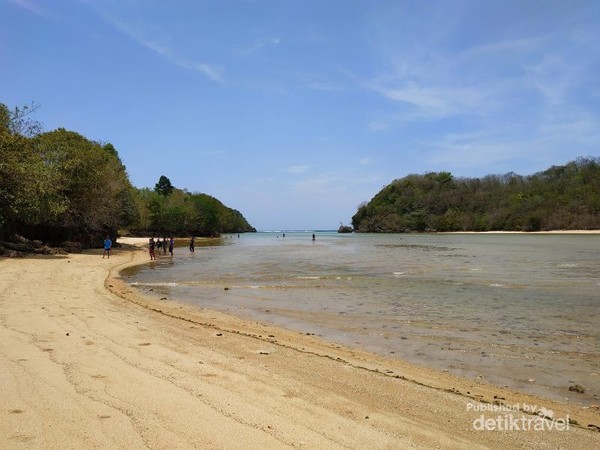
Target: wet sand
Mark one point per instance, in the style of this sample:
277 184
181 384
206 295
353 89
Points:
88 362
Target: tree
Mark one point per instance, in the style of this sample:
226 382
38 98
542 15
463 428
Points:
85 192
164 186
183 213
4 118
21 182
444 177
20 121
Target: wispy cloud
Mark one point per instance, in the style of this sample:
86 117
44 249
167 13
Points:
260 45
436 102
31 6
552 77
297 169
494 49
140 35
379 125
326 86
212 71
331 182
501 146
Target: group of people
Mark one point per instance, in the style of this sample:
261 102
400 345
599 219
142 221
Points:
154 246
164 245
158 245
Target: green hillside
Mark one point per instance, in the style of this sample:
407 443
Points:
562 197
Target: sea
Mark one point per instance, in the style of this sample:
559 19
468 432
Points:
515 310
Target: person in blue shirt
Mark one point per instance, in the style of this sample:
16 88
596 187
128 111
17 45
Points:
107 247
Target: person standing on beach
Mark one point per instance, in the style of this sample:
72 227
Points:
164 244
151 249
107 247
192 244
171 244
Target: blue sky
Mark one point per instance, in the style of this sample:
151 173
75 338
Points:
295 112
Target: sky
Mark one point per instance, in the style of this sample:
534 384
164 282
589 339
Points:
296 112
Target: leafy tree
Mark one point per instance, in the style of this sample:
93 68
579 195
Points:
164 186
21 183
4 118
444 177
85 192
183 213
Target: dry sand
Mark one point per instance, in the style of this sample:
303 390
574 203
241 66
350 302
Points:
86 362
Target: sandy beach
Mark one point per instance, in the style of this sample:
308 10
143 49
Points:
87 362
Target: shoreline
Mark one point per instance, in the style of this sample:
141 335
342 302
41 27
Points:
529 232
144 372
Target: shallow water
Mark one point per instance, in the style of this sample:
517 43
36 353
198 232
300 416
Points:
516 310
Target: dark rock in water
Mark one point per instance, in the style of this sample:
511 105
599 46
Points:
345 229
577 388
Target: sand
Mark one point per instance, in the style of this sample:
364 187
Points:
86 362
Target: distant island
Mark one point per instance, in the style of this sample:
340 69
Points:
64 189
559 198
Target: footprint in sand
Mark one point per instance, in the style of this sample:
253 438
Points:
21 438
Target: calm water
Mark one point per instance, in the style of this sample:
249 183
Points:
516 310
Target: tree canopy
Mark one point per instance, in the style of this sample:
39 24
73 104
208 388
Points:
61 186
562 197
184 213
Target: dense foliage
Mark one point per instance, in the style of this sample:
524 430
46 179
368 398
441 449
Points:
60 186
172 211
562 197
